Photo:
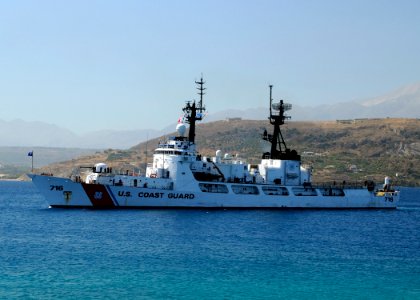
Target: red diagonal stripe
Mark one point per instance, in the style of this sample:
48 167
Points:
98 195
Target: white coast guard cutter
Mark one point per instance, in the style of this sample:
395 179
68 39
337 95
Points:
180 177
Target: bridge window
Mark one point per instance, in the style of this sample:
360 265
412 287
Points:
213 188
332 192
275 190
245 189
304 191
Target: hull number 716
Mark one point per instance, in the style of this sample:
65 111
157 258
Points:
56 188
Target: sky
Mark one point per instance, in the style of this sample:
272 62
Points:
94 65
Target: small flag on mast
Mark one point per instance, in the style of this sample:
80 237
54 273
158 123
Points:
31 154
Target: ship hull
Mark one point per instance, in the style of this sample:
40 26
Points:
63 192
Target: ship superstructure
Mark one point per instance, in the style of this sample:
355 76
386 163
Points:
180 177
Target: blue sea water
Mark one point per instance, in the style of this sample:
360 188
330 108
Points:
200 254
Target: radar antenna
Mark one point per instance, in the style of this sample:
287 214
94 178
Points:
201 89
193 113
277 118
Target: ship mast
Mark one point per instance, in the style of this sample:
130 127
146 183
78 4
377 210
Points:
194 112
277 118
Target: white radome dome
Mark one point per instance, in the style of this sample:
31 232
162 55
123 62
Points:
100 167
181 128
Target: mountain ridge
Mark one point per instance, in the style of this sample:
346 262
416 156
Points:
400 103
351 150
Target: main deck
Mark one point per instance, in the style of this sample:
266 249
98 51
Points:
64 192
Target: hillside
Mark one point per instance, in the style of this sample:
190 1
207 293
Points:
400 103
352 150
